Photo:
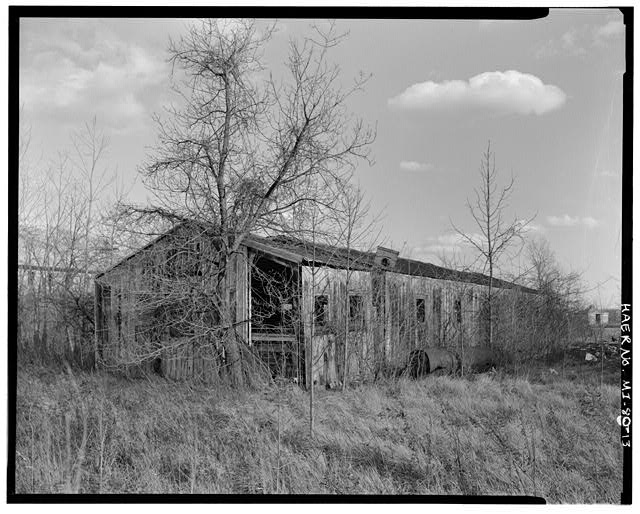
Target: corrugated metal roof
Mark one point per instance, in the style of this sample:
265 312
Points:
309 254
338 257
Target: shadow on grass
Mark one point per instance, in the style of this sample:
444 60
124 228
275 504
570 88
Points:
406 476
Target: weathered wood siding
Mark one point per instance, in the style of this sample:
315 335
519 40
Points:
325 341
449 316
127 332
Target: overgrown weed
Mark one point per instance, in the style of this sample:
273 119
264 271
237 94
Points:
439 435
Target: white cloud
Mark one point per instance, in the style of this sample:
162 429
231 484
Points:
448 243
415 166
571 44
563 221
105 75
509 91
590 222
531 226
572 221
577 41
459 239
611 29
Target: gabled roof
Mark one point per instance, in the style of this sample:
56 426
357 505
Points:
307 253
139 250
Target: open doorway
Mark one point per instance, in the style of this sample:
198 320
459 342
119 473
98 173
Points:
275 316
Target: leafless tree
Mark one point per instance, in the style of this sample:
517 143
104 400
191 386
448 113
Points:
498 235
355 229
62 208
561 297
241 151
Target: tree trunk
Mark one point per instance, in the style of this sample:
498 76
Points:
311 357
346 338
230 341
234 358
490 306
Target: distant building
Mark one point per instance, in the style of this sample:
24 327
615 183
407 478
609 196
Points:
604 317
604 324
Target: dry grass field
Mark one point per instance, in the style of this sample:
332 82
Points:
548 436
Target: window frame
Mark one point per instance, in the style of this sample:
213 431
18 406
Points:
356 316
421 309
321 317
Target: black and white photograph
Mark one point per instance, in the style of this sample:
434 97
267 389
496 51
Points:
320 254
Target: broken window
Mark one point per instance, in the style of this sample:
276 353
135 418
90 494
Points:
356 308
457 307
320 309
421 310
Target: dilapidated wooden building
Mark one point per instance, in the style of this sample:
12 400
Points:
295 306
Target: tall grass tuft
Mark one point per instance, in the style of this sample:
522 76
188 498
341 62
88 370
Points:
96 433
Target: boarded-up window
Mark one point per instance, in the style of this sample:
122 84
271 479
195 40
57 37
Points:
320 309
356 308
421 310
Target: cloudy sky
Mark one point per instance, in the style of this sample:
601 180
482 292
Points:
546 93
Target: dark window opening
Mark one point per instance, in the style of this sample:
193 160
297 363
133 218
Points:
274 289
437 309
457 307
320 309
384 262
421 310
356 310
378 286
598 319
